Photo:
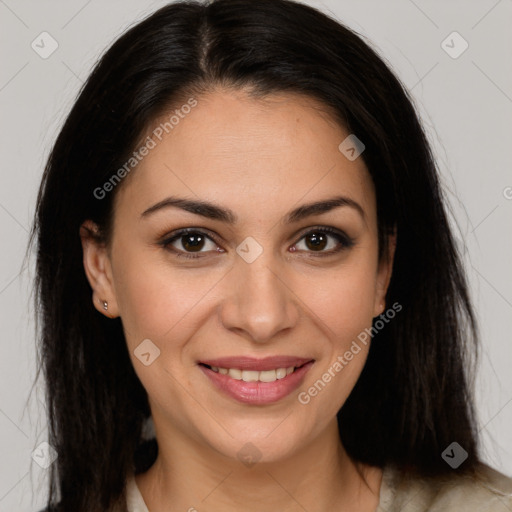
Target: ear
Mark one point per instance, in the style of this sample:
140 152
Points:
384 275
98 269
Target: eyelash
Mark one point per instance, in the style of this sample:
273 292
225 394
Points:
345 241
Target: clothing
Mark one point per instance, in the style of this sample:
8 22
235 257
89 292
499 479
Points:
134 499
415 495
456 494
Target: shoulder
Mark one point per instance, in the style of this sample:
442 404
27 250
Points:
488 491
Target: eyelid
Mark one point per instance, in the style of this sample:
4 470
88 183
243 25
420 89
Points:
166 240
322 228
343 238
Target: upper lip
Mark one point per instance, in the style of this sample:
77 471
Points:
251 363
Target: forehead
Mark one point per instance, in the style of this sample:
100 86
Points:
233 149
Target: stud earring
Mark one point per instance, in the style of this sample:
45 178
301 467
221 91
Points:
105 305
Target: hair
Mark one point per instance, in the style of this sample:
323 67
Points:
414 395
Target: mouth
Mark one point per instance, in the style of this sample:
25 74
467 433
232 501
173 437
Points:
256 381
254 375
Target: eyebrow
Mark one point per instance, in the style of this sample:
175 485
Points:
215 212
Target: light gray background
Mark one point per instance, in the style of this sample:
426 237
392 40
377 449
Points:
465 103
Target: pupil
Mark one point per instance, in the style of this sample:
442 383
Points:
316 241
193 242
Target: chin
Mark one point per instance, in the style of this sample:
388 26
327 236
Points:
272 440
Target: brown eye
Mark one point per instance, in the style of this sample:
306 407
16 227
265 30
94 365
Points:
192 242
316 241
324 241
187 242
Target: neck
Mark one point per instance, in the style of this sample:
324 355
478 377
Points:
319 478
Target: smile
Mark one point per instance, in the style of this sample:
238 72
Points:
256 381
254 376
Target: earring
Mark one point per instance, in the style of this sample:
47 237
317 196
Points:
105 305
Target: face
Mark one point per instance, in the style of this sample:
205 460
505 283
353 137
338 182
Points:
241 329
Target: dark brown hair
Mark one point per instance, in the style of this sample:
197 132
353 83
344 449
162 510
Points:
412 399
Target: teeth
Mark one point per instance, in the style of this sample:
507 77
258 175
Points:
254 376
235 374
248 376
268 376
281 373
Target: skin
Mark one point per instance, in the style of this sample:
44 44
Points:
261 159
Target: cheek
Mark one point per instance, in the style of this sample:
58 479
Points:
342 298
154 299
342 303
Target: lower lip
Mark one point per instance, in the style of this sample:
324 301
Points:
257 393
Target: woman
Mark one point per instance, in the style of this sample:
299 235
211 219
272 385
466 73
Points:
253 258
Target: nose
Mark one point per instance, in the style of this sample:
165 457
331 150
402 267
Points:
260 303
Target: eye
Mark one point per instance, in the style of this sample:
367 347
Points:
324 241
186 242
193 243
